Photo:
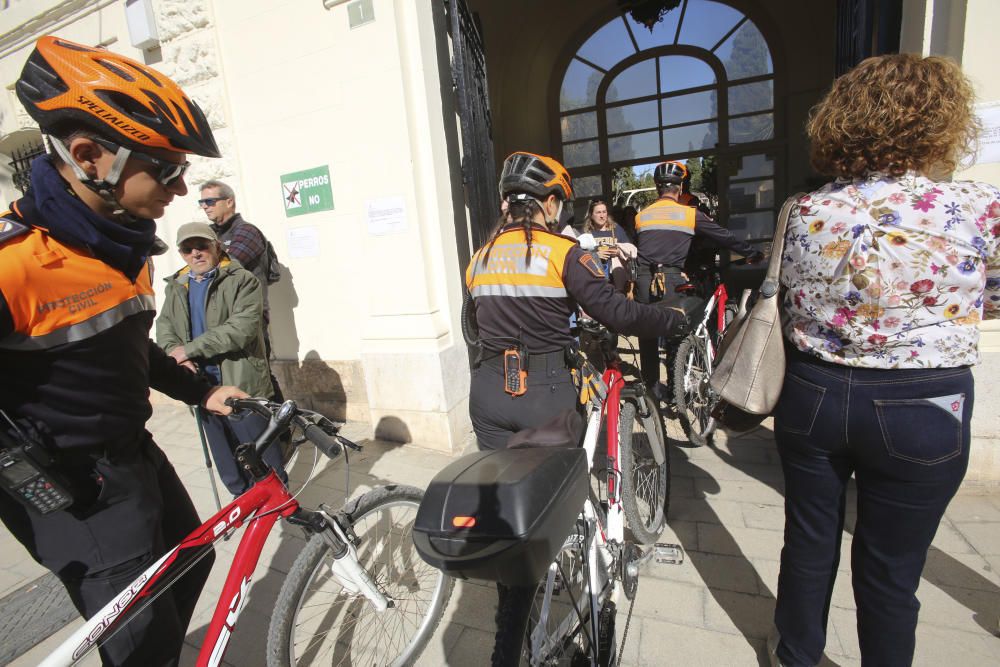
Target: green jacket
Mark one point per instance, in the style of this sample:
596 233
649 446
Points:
234 336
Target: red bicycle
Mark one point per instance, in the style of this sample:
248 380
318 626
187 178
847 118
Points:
357 593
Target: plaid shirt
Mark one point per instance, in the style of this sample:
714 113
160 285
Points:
244 243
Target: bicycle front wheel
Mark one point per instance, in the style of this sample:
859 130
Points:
692 393
645 484
317 622
546 625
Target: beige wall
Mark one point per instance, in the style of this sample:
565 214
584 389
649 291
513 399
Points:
288 85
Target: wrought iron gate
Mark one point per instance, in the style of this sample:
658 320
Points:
866 28
21 164
468 71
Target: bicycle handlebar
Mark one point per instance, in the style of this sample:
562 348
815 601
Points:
316 428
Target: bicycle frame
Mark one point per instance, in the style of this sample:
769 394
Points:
260 507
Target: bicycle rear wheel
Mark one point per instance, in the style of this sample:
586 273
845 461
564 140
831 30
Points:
645 484
317 622
692 393
547 625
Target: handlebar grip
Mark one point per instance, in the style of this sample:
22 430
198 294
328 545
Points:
323 442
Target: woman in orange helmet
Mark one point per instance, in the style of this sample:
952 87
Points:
525 282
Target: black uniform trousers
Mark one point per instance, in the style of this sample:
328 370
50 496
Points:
496 415
649 348
98 549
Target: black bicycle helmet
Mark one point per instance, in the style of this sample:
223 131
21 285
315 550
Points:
535 175
670 173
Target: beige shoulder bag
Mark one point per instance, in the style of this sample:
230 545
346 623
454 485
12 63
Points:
751 366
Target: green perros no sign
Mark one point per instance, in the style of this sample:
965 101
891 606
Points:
307 191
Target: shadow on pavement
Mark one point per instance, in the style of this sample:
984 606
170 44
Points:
332 484
750 613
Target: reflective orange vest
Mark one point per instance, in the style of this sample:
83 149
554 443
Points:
506 273
666 215
59 294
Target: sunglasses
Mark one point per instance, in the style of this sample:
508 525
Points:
188 248
209 202
168 172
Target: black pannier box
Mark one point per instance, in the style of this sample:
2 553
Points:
502 515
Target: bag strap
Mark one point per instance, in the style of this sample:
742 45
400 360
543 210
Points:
770 285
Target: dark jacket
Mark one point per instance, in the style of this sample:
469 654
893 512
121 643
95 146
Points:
530 302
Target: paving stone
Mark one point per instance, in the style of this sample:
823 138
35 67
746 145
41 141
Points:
746 542
680 532
707 510
971 571
766 517
671 601
945 646
959 608
739 613
965 508
950 539
473 647
716 571
984 537
665 643
752 492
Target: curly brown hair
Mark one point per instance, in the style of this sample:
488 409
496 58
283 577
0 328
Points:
894 113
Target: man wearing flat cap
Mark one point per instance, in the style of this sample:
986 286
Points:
212 323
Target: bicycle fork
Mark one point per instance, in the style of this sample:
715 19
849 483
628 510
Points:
345 567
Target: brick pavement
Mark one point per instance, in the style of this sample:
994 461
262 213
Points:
715 609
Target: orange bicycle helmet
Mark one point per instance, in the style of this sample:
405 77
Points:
536 175
670 173
136 107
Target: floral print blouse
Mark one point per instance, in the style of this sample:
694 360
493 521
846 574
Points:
884 272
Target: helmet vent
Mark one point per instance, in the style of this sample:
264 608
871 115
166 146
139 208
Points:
163 107
114 69
73 47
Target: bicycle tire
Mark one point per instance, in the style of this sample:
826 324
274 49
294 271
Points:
343 615
692 394
645 485
519 612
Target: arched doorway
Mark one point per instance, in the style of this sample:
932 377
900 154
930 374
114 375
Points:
699 87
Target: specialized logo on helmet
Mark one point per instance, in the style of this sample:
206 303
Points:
109 117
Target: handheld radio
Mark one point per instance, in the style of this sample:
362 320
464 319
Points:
23 472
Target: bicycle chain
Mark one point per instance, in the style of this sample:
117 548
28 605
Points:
628 620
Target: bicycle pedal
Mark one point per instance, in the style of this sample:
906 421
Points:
668 554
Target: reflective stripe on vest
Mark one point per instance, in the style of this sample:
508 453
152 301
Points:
506 273
58 295
666 214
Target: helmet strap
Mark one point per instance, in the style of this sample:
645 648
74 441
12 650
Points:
104 187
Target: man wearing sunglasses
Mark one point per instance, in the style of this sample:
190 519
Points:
211 322
76 307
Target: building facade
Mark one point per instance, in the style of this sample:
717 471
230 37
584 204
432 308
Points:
363 138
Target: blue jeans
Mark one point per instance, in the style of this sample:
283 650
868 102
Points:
905 436
225 434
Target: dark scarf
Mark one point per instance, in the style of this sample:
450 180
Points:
70 221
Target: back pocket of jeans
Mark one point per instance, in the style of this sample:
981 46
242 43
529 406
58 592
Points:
922 430
798 405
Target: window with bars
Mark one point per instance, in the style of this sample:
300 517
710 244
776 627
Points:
20 162
699 85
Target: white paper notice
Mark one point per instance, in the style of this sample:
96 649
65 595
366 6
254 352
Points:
303 242
989 140
386 216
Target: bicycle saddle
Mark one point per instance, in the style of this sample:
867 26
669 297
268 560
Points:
563 430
